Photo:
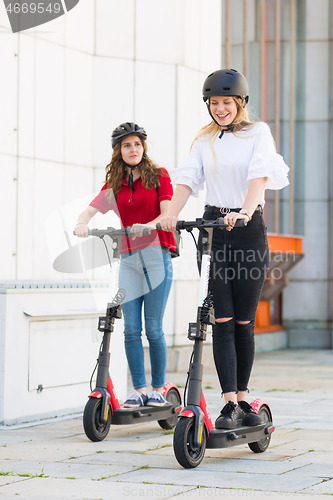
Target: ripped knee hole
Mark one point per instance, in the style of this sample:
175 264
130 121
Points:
222 320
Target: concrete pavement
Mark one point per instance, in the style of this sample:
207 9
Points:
55 460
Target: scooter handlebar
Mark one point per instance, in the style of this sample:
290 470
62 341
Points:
110 231
239 222
202 223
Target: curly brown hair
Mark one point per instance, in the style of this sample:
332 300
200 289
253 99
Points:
116 170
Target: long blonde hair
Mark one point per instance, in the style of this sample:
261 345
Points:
116 170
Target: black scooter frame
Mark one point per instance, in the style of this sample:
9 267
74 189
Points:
192 437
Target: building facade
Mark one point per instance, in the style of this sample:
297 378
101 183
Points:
67 84
285 48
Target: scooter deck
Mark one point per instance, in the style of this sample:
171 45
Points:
126 416
226 438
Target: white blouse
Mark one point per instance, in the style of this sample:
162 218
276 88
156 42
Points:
239 157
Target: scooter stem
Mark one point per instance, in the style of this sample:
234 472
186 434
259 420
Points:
104 362
197 331
195 375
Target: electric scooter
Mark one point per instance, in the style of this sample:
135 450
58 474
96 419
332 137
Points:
103 407
195 431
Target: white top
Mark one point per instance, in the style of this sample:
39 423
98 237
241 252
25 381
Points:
240 157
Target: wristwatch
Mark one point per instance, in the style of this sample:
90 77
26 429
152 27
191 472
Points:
246 212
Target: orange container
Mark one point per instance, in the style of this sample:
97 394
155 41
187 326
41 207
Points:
285 252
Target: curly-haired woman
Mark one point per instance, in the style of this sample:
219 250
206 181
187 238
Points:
139 192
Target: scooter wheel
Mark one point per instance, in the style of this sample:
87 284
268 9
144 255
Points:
174 398
262 445
95 429
186 453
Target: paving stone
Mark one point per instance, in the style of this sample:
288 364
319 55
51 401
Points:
9 480
44 488
324 488
320 470
216 493
63 469
292 481
248 466
139 458
316 457
132 460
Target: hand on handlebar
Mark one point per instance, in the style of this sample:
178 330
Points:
81 230
138 230
168 223
141 230
232 217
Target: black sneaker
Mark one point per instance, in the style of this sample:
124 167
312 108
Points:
230 417
250 417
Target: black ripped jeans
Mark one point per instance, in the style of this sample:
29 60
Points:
239 266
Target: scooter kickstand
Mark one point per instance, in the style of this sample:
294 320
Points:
233 436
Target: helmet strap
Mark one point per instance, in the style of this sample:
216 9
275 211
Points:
134 167
229 128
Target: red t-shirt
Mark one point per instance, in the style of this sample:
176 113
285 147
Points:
139 207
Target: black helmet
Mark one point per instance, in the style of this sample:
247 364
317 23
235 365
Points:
226 82
126 129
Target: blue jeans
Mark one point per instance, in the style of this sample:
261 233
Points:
146 276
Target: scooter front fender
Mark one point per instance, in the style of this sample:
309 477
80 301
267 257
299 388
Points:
190 414
199 422
95 395
186 413
105 396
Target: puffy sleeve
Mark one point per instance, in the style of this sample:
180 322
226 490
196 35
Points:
190 171
266 162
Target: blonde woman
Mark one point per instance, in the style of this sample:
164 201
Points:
139 192
237 161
